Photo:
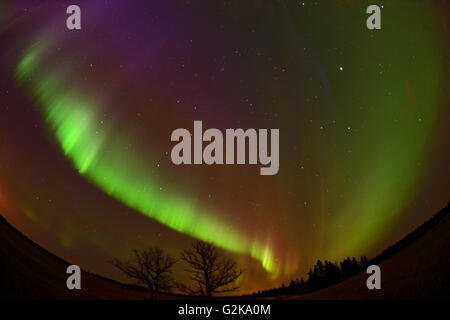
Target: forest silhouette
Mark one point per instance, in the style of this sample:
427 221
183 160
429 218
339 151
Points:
325 274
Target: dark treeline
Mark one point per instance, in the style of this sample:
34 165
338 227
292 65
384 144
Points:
322 275
325 274
413 236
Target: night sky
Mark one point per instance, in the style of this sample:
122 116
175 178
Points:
86 118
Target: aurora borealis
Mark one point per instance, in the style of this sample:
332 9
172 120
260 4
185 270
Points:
86 118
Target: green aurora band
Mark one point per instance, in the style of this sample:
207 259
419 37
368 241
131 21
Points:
75 121
400 109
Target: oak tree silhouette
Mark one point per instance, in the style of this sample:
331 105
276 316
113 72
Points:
210 273
150 267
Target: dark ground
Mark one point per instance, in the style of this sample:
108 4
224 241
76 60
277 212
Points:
418 268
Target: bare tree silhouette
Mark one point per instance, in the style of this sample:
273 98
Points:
150 267
210 273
